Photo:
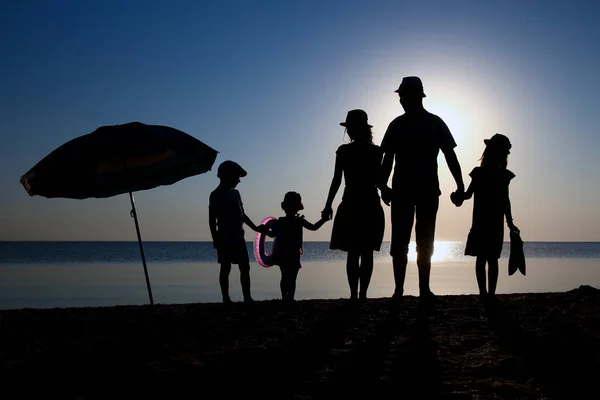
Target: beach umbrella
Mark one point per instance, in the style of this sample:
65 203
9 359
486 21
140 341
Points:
119 159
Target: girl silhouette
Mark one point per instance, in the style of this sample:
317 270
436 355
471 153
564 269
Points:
359 223
489 184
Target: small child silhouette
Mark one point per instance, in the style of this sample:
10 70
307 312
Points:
287 246
489 184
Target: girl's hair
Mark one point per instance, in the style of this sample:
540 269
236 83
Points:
495 156
360 134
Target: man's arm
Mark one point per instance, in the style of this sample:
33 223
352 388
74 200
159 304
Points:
384 175
386 165
455 169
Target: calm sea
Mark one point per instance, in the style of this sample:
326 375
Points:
79 274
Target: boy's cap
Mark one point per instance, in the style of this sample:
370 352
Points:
356 118
293 199
231 168
498 140
411 85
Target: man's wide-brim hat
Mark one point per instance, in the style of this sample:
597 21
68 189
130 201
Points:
231 168
293 199
498 140
411 86
356 118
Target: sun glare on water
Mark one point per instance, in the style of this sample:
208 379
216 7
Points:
443 251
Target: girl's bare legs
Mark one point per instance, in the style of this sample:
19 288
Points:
492 276
366 270
480 273
352 271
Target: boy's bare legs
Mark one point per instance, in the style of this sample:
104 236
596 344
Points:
366 271
492 276
245 281
289 274
293 275
352 271
283 283
480 273
224 281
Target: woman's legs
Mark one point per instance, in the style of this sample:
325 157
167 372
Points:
352 271
480 273
366 271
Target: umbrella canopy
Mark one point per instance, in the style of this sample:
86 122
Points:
119 159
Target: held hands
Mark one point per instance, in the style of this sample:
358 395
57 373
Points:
457 198
327 213
265 230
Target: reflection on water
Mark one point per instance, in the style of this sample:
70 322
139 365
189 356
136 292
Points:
79 285
442 251
73 253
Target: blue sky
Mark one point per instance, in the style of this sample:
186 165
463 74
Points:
266 83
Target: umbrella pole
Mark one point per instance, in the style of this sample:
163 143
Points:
137 228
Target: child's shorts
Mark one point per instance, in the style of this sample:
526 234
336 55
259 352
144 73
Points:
233 252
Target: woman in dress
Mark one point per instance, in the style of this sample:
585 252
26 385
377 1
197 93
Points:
359 222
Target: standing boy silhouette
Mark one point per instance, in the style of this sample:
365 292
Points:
226 218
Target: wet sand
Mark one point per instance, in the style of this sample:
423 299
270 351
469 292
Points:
530 346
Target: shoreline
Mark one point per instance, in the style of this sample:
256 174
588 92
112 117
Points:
531 346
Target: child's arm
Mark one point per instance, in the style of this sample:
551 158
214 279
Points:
248 221
212 224
315 226
333 189
469 192
508 213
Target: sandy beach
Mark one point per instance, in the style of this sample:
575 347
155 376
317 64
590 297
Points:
530 346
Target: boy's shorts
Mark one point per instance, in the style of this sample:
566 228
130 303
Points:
233 252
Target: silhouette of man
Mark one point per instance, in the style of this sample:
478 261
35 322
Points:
413 140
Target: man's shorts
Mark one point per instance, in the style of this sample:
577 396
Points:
404 212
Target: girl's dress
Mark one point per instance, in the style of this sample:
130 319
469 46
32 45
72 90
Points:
287 245
490 189
359 222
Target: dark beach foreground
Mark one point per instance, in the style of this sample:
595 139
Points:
530 346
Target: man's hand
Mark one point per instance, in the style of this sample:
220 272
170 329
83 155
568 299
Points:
216 243
512 227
